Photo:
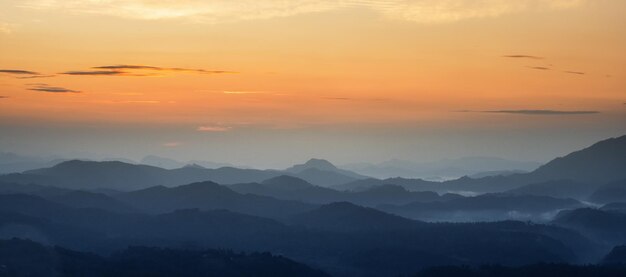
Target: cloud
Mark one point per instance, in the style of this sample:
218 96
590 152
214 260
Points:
18 72
47 88
575 72
539 67
130 70
36 76
541 112
523 57
3 97
97 73
213 128
147 67
218 11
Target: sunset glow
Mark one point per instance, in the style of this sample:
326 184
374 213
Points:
215 74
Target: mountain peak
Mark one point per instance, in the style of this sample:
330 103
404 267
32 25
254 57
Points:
320 164
287 182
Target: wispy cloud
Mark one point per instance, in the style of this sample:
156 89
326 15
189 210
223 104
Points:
52 89
213 128
217 11
101 73
24 74
541 112
524 57
3 97
147 67
575 72
36 76
18 72
539 67
137 70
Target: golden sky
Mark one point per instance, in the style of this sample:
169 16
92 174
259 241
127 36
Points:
206 68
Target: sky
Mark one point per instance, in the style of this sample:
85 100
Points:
269 83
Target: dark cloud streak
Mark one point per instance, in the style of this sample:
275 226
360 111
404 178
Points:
47 88
541 112
18 72
523 57
156 68
539 67
575 72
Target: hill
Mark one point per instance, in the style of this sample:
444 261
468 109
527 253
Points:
347 217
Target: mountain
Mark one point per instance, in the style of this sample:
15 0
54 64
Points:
616 256
486 207
394 194
32 189
347 217
27 258
601 163
13 163
611 192
441 170
88 175
603 225
496 173
209 196
286 182
291 188
323 173
387 249
85 199
408 184
161 162
556 188
77 174
168 163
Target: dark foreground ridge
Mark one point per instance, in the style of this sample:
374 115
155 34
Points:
27 258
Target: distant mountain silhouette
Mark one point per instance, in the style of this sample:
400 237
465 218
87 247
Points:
208 196
291 188
496 173
84 199
487 207
600 163
556 188
441 170
286 182
603 225
14 163
32 189
77 174
323 173
347 217
611 192
168 163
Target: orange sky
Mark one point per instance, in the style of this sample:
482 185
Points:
310 65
